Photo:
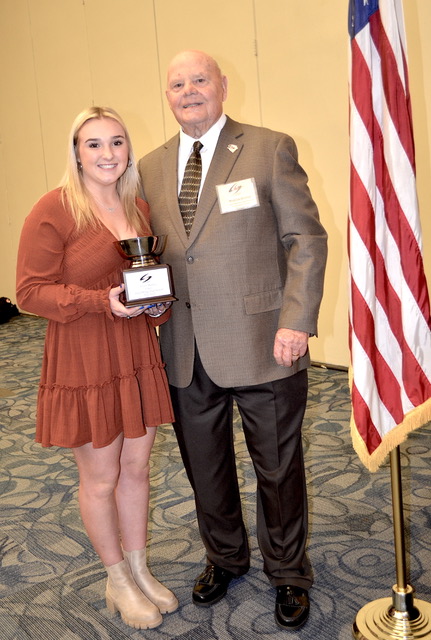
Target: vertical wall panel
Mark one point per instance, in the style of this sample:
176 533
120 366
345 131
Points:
303 67
62 74
22 161
223 28
418 21
124 67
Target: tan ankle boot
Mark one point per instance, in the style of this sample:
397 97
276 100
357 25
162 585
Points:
153 589
123 595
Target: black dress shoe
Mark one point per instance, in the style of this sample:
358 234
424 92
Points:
211 585
292 607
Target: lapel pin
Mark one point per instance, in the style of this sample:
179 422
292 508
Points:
232 147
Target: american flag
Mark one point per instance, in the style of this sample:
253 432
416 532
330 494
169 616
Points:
389 315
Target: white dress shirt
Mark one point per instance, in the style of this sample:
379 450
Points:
209 141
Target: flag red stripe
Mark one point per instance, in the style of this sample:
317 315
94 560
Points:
416 384
398 103
387 385
397 96
411 258
365 426
390 354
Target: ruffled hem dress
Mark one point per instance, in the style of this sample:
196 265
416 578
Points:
101 375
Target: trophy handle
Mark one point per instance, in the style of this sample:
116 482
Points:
159 245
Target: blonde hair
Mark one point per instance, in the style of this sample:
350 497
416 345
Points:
73 189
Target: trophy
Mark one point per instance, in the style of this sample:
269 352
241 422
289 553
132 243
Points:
146 281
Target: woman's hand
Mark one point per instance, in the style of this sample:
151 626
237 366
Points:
118 308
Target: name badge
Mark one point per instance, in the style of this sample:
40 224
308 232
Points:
237 195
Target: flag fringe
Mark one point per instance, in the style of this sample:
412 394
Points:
418 417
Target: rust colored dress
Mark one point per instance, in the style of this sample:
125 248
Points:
101 374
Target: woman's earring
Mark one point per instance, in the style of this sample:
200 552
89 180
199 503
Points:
129 164
78 162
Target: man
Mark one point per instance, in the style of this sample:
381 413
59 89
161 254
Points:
248 270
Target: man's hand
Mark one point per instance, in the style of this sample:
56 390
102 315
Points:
289 345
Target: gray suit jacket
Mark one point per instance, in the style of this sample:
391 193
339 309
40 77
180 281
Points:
240 275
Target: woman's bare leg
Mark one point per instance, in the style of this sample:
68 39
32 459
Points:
133 489
99 470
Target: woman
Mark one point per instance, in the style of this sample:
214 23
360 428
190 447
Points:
103 388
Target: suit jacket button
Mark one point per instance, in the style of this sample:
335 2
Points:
190 259
188 305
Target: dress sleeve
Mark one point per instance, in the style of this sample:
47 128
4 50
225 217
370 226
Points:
156 322
40 289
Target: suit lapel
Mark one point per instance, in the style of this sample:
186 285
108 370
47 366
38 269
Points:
226 154
170 178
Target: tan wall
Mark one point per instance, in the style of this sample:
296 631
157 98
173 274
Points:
287 67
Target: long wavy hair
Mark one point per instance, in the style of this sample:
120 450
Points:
73 190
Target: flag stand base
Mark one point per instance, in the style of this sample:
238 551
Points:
397 618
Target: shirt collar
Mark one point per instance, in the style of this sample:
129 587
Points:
209 139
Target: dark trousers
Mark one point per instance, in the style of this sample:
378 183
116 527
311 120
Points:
272 416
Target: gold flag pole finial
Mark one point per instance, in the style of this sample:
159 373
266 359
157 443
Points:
400 617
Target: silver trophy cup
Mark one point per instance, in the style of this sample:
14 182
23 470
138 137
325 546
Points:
146 281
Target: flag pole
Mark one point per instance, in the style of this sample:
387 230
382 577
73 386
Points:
400 617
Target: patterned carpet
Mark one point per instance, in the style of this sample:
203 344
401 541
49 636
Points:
52 583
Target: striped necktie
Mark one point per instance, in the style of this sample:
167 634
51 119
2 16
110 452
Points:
188 198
